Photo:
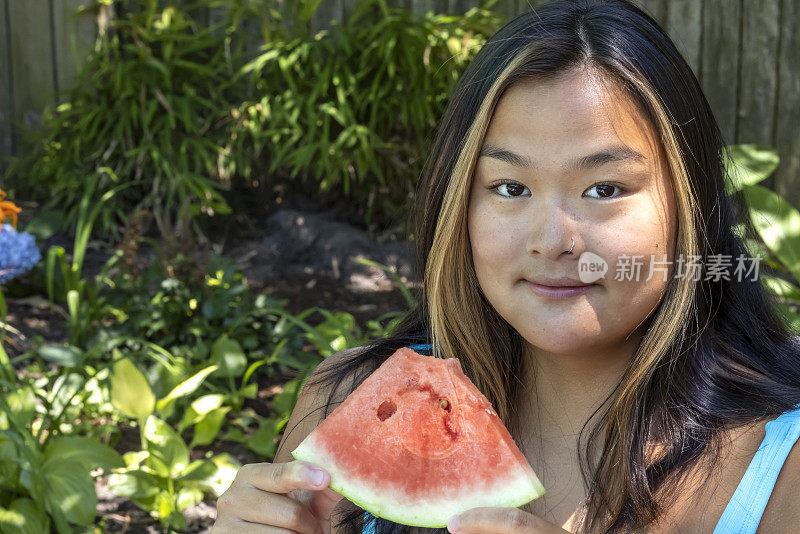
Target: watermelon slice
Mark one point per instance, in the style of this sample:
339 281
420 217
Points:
417 443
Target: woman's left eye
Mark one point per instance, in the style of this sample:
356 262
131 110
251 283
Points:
510 189
605 190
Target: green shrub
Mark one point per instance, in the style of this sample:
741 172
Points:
181 110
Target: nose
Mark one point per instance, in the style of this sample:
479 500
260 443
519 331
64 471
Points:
551 234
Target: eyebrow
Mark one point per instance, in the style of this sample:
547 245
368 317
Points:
606 155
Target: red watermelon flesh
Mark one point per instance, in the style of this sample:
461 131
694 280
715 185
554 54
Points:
417 443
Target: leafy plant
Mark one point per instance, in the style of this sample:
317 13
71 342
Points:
147 105
777 223
44 478
160 477
83 299
182 110
351 108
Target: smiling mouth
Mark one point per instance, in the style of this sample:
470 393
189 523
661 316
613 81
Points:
558 292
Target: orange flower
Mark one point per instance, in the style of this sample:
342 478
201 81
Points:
8 210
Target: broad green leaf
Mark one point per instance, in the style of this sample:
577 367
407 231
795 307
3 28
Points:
208 427
749 164
83 451
9 460
189 496
792 317
22 403
206 403
66 356
134 484
249 391
781 287
229 356
168 453
45 223
164 505
134 459
70 489
130 391
264 440
778 223
186 387
227 467
285 400
199 408
23 517
198 470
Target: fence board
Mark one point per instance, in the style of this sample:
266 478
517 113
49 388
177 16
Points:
656 9
74 37
721 61
529 5
756 109
507 8
786 137
6 96
31 60
459 7
349 5
683 24
326 12
423 6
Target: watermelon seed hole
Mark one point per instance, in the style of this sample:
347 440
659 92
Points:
444 404
386 410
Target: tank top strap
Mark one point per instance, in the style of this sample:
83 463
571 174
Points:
748 502
369 524
422 347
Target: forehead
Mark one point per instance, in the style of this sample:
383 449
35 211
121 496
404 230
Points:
552 121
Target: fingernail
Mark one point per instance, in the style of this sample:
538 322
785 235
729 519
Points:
317 477
452 525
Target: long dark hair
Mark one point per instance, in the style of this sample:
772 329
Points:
717 354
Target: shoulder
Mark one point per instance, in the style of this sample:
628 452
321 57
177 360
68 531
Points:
782 513
309 409
704 504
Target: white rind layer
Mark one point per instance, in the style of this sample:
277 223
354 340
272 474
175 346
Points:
512 492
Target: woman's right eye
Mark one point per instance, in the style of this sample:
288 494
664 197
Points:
513 189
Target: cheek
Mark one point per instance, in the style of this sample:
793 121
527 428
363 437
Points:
642 235
494 241
639 272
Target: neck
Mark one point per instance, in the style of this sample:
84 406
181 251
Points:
568 388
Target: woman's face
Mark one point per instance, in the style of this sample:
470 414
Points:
620 210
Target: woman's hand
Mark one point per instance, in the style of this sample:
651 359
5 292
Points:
292 495
500 521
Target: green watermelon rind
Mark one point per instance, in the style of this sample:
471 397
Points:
306 452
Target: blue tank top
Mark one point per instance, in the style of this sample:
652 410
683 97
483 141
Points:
744 510
748 502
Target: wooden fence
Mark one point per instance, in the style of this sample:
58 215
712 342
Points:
746 54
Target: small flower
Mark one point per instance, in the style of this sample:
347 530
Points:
18 252
8 210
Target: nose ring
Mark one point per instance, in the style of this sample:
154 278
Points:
571 247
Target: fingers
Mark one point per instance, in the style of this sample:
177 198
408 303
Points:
241 527
243 506
284 477
500 520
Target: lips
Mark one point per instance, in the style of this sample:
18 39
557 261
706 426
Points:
559 292
564 282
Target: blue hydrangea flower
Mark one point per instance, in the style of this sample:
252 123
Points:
18 253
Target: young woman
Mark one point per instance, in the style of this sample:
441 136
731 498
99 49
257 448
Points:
649 396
